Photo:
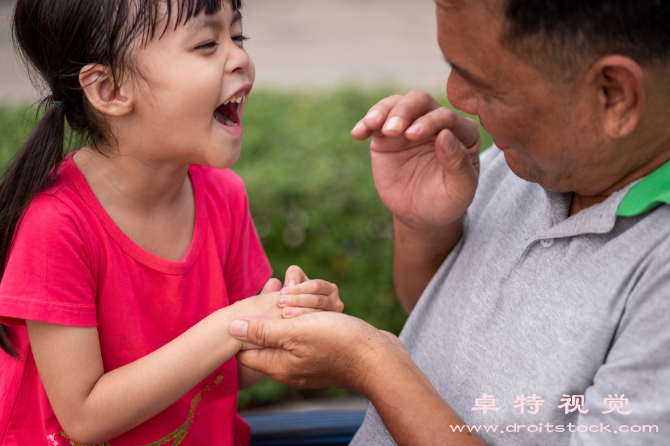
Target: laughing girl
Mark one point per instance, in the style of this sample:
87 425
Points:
124 262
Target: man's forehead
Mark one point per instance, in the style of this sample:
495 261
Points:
450 4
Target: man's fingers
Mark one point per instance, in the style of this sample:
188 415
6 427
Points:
261 331
249 346
456 159
259 360
431 124
411 107
375 118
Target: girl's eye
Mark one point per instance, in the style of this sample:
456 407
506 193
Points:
240 38
209 46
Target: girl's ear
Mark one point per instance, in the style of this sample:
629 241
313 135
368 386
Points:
99 88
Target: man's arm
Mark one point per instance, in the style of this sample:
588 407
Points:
425 162
417 255
336 350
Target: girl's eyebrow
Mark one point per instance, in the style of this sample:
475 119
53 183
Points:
210 22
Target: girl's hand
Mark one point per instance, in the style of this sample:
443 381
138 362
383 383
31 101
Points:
301 295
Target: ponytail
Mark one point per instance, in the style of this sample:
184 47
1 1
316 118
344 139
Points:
30 171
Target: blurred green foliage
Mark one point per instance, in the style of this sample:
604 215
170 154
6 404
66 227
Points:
313 200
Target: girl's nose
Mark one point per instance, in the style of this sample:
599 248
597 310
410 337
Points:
460 94
238 60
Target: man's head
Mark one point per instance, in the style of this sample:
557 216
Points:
574 91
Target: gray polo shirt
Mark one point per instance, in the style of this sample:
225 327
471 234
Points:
536 311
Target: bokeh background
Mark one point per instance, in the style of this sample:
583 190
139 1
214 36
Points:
321 65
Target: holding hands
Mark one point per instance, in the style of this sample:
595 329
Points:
299 295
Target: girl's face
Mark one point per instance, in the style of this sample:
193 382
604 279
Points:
192 90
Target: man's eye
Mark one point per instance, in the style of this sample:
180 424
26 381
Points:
207 46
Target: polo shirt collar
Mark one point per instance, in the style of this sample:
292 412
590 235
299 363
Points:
647 194
633 200
597 219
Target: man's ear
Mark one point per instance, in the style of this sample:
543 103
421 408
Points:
99 88
620 81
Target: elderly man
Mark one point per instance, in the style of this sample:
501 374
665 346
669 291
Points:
543 273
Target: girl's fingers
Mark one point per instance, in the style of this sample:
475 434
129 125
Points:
290 312
313 301
316 286
272 286
294 276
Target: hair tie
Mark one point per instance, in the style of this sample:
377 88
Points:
58 104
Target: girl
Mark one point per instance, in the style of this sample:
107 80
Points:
125 263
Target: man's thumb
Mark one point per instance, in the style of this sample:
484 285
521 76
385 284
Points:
258 331
452 154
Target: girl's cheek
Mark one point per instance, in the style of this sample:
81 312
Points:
251 71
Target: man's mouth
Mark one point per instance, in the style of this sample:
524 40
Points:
500 145
228 113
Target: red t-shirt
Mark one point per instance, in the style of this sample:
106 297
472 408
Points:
71 265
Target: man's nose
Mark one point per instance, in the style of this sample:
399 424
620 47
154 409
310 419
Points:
460 94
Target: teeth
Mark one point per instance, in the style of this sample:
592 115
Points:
236 100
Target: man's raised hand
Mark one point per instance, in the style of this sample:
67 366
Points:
425 158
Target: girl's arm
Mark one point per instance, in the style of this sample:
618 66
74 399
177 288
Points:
247 377
93 406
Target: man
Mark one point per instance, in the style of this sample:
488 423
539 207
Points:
544 281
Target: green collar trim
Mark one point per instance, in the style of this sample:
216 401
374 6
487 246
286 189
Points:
647 194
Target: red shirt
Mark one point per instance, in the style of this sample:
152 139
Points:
71 265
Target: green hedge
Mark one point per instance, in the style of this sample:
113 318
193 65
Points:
313 200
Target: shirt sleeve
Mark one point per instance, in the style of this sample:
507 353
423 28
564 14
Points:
247 267
629 400
48 275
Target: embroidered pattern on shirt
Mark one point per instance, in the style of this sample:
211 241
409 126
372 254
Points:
173 439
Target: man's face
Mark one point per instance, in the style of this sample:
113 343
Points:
548 131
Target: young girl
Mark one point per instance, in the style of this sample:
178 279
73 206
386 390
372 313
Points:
125 263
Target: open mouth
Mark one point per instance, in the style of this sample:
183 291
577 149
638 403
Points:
228 113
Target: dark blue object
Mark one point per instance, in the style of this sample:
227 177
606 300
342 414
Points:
322 428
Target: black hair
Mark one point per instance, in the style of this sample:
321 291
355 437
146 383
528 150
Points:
576 32
57 39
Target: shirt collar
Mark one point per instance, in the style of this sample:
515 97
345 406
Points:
647 194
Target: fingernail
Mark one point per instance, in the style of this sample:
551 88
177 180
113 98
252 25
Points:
292 283
284 291
416 128
451 144
239 328
282 301
393 123
359 126
288 311
374 114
